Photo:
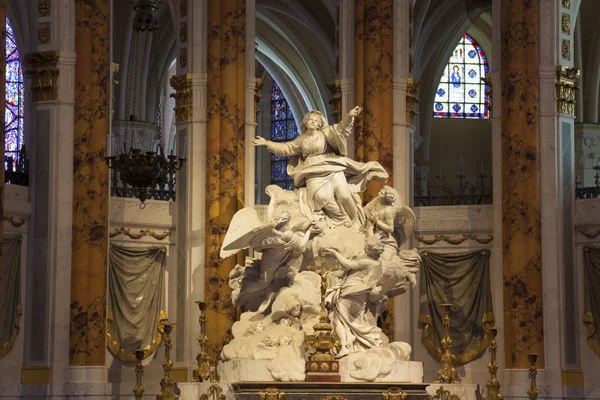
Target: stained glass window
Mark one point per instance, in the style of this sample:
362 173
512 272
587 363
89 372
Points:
13 113
461 92
283 129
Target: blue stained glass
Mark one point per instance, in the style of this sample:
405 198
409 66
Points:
14 96
283 129
460 83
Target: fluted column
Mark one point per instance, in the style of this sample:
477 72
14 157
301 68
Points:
90 192
225 152
373 89
521 192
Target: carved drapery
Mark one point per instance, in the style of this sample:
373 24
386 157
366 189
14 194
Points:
43 70
225 137
93 77
183 96
521 192
565 89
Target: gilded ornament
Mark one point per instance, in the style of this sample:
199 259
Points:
565 90
257 96
394 393
183 57
183 8
442 394
43 70
203 370
334 397
140 234
493 386
167 383
334 367
566 23
411 99
183 97
447 373
44 8
15 222
324 367
44 32
566 3
127 356
183 32
215 392
314 367
271 393
533 391
566 49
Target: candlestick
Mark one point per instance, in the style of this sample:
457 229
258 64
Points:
533 391
447 373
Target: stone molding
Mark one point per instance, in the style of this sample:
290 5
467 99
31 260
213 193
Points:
43 69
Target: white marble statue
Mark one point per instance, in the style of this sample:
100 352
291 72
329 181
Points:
322 225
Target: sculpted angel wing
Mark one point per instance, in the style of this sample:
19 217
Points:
244 230
404 224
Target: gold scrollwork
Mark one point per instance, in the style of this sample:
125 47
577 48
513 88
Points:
215 392
183 97
128 356
43 70
183 8
565 89
566 23
566 49
183 31
140 234
183 56
590 235
394 393
15 222
334 397
411 99
8 346
44 8
454 241
566 3
442 394
44 32
271 393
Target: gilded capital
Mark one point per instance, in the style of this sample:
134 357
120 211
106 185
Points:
183 97
411 99
43 70
565 89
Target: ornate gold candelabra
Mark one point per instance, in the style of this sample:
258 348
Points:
533 391
203 369
322 366
138 389
447 373
166 383
493 386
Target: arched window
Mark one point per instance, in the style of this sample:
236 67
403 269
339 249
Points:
13 113
283 129
461 92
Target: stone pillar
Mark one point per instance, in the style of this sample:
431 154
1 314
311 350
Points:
51 72
521 192
190 119
90 192
250 114
345 60
373 74
225 156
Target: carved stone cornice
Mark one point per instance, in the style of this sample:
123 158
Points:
183 97
42 67
411 99
565 89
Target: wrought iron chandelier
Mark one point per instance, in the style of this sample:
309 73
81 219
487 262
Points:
144 171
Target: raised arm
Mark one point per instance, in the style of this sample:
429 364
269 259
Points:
346 124
280 149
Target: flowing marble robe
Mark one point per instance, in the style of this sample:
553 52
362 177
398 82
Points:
320 164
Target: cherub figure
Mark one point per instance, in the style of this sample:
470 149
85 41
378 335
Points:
347 297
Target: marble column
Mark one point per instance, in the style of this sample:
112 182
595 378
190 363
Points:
404 103
521 192
250 113
93 75
190 117
225 152
345 59
51 71
373 90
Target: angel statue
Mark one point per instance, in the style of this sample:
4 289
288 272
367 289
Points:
389 220
347 296
327 178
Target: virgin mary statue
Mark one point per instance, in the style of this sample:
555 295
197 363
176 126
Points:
327 179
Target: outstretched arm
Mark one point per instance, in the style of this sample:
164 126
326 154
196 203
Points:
347 264
280 149
347 122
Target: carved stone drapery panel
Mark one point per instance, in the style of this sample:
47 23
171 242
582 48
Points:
43 70
565 89
183 97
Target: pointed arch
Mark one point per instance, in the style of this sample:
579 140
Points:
14 99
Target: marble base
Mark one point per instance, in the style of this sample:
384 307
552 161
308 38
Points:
464 391
256 371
